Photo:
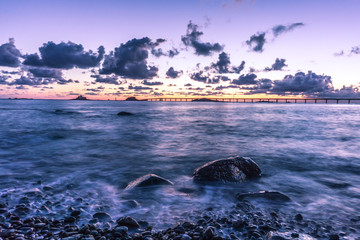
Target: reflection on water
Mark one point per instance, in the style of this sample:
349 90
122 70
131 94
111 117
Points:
85 154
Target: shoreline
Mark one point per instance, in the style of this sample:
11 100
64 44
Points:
243 220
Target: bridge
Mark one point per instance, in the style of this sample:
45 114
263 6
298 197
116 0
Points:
258 100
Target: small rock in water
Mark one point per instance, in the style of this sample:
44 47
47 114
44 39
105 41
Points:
148 180
123 113
270 195
233 169
298 217
287 236
102 216
185 237
128 222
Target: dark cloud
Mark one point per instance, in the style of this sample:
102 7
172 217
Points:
3 79
247 79
112 79
355 50
158 52
139 88
221 87
172 73
46 73
239 68
65 55
192 38
198 76
10 72
278 65
256 42
188 85
32 81
280 29
223 63
130 60
9 54
145 82
302 84
339 54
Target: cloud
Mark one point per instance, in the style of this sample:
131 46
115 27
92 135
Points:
302 84
192 38
32 81
278 65
64 55
280 29
239 68
145 82
222 65
247 79
129 60
256 42
172 73
9 54
139 88
46 73
355 50
112 79
198 76
3 79
158 52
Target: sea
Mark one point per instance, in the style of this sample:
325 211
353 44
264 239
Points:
60 155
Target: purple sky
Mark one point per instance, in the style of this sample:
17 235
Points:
280 41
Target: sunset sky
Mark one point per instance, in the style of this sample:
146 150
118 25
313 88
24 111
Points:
114 49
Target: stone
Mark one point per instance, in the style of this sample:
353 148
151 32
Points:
287 236
128 222
102 216
185 237
209 233
148 180
123 113
233 169
269 195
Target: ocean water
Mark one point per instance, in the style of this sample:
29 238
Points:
85 155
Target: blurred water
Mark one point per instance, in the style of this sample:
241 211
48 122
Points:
88 154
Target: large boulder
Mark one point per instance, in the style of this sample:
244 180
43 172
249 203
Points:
233 169
148 180
269 195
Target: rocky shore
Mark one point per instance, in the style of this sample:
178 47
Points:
243 221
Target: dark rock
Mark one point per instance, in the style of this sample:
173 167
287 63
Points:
122 113
75 213
334 237
209 233
69 220
233 169
298 217
102 216
128 222
130 203
270 195
287 236
148 180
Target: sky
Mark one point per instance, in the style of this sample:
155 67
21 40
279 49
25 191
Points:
192 48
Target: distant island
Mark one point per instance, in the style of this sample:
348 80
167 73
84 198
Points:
204 100
134 99
80 97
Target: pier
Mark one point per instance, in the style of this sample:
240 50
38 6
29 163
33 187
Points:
259 100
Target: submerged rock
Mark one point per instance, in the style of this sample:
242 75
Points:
123 113
148 180
233 169
270 195
287 236
102 216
